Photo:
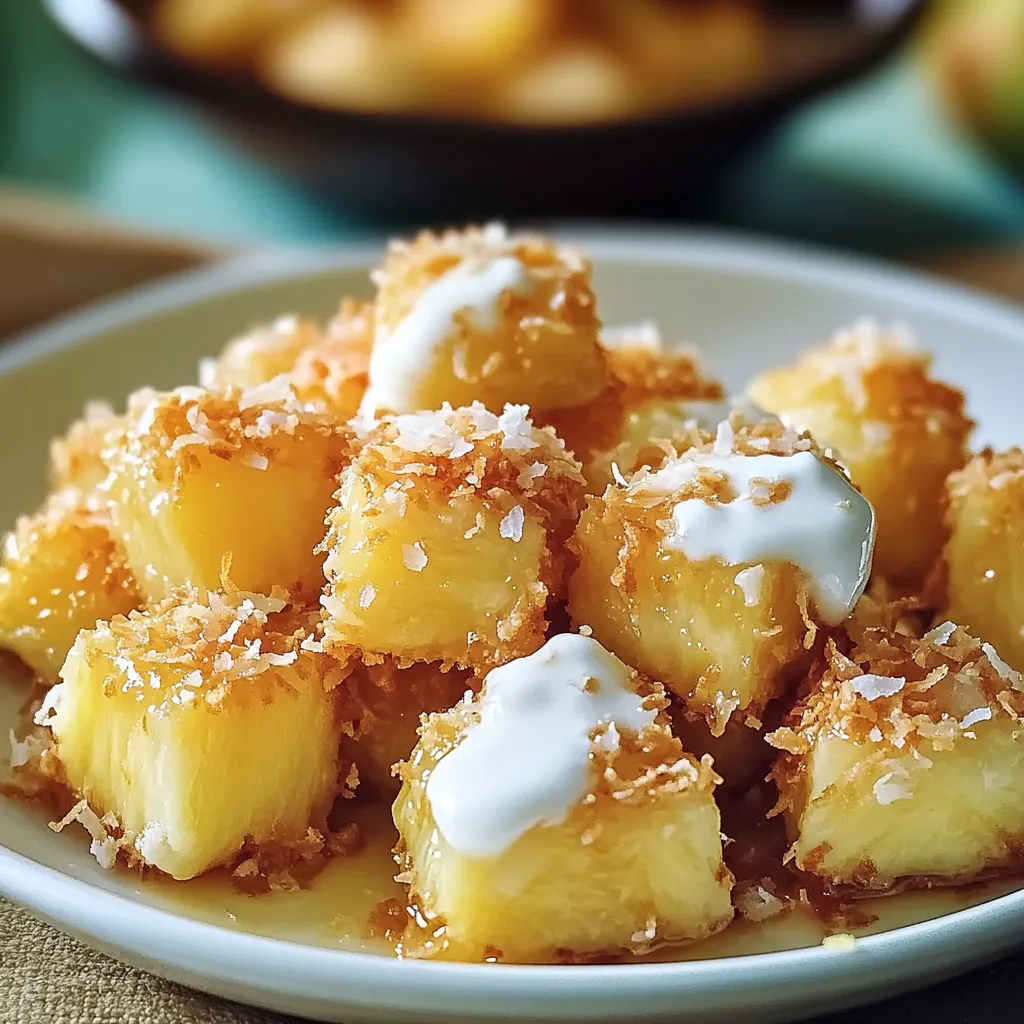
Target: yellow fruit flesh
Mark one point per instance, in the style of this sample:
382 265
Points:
962 815
687 623
613 878
411 583
179 520
62 572
899 433
196 777
984 559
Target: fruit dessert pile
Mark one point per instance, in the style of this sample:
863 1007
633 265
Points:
547 590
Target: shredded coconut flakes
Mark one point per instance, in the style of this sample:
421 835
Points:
871 687
511 527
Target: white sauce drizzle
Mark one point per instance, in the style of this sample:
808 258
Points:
400 359
824 527
526 762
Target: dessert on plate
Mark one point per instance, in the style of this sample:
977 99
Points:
591 635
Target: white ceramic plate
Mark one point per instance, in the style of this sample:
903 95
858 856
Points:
748 305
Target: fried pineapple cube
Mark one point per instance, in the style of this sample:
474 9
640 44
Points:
904 767
555 817
261 354
202 725
713 572
447 538
869 395
62 571
479 316
380 708
201 480
326 368
654 398
983 568
76 458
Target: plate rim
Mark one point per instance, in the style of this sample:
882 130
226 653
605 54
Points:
899 956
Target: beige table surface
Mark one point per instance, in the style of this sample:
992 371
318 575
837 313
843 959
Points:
52 259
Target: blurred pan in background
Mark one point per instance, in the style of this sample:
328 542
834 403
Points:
439 109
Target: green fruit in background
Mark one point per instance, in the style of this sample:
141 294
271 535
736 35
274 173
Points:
975 49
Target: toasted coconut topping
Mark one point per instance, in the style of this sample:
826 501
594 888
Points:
196 646
248 423
905 695
469 451
105 844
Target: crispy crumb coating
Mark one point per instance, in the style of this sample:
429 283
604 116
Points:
542 350
870 395
327 368
191 469
61 572
165 718
981 580
380 708
640 597
903 764
447 538
76 458
648 402
635 865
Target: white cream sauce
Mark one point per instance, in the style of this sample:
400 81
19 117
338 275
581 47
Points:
401 358
824 526
526 762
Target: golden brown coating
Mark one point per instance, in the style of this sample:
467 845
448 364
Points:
326 368
981 580
62 571
75 458
447 538
478 315
903 765
204 725
653 399
870 396
380 708
199 477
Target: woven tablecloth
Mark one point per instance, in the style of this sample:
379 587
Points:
49 978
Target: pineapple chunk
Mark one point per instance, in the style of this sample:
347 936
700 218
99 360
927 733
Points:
654 397
712 573
380 711
984 559
198 478
556 817
62 572
261 354
904 766
326 368
203 725
869 396
76 458
478 316
447 540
